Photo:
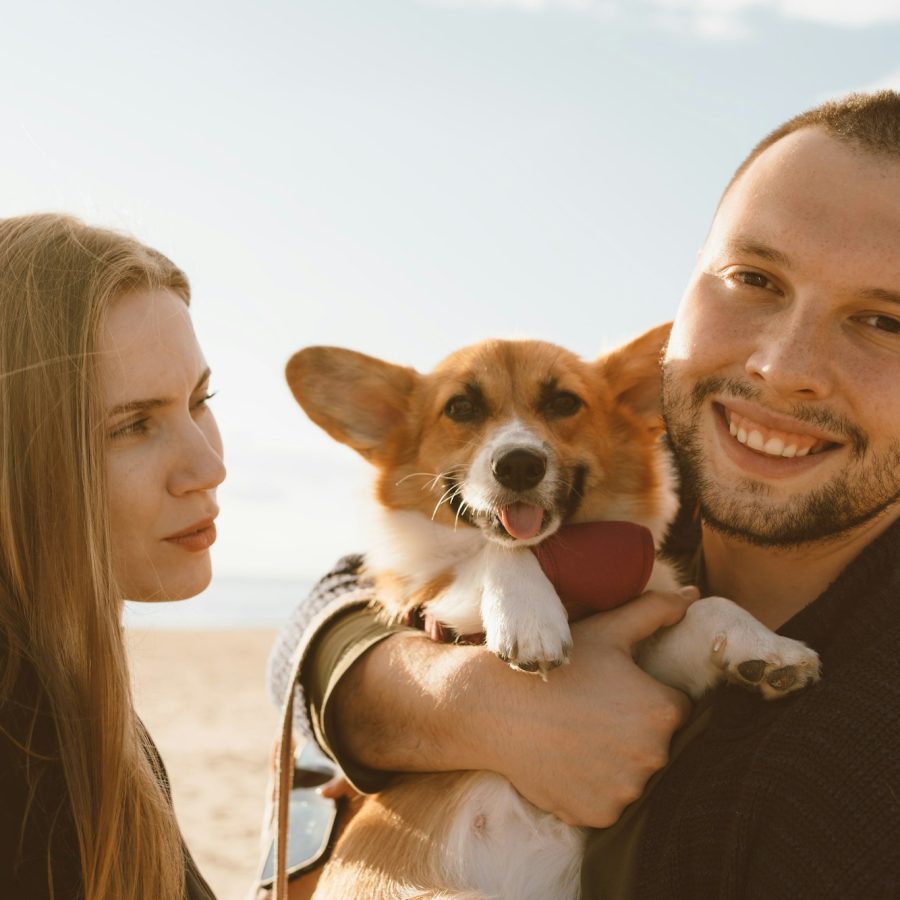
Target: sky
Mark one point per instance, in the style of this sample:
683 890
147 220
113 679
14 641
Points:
403 177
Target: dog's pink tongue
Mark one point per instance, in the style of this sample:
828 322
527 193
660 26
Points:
521 520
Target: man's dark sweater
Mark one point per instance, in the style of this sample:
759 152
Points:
801 797
797 798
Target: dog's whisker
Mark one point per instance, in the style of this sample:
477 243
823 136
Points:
432 475
446 497
462 509
453 489
459 510
445 474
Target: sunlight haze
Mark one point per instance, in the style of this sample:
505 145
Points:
403 177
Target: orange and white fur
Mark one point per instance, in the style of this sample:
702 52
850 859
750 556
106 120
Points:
493 451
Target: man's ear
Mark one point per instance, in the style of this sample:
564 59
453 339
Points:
634 373
359 400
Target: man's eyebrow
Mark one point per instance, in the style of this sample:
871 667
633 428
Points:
754 248
880 294
155 402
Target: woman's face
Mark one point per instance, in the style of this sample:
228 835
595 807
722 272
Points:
164 452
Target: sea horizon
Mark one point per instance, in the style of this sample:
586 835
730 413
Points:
230 602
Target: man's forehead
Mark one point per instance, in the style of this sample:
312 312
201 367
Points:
810 182
811 151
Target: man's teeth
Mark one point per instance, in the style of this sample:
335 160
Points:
773 446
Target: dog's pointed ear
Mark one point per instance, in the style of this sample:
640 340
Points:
359 400
634 373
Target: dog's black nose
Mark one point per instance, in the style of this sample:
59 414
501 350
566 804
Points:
520 469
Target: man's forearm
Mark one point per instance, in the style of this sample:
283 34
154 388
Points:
581 744
406 705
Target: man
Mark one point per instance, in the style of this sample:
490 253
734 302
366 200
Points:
781 389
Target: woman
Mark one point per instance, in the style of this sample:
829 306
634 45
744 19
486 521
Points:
109 463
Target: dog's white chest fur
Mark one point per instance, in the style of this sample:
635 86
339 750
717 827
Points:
499 590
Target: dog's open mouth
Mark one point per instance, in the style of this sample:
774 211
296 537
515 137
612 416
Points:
522 521
508 519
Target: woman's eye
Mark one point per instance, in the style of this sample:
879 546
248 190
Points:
460 409
202 402
890 324
563 404
138 426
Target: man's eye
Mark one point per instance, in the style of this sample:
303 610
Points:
563 404
751 279
883 323
461 409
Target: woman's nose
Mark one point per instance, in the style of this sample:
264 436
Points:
199 464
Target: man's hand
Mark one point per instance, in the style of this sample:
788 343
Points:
581 745
588 740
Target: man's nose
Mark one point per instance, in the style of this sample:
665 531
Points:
792 355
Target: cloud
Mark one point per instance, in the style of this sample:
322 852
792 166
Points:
727 19
715 19
716 26
601 7
857 14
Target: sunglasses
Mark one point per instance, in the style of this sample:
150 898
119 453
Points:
312 818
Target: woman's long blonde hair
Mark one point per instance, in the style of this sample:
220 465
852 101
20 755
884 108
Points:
59 605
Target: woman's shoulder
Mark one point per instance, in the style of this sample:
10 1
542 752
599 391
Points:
28 742
24 715
37 834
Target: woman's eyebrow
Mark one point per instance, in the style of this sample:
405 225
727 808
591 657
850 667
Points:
156 402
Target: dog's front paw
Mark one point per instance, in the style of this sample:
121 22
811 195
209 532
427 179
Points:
525 623
759 659
716 641
534 642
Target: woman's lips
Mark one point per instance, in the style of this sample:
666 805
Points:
196 538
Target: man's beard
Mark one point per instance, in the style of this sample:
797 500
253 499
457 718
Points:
868 486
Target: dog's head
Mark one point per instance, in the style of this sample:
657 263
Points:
512 437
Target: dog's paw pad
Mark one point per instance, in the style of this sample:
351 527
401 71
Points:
778 676
752 670
783 679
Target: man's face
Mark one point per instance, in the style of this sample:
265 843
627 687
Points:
782 375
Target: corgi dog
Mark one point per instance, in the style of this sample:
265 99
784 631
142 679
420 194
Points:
477 463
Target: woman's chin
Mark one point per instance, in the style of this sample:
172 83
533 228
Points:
165 588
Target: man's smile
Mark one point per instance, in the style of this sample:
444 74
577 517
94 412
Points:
772 441
767 444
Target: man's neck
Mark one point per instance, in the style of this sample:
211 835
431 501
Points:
775 584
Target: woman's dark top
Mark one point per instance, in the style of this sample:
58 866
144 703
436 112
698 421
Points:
38 846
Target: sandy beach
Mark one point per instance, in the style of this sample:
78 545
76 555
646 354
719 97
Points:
202 696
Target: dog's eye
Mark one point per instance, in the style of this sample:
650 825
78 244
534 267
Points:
563 404
461 409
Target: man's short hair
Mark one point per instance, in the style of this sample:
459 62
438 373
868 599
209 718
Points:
870 122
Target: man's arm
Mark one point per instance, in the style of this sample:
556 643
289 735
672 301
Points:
344 578
581 745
